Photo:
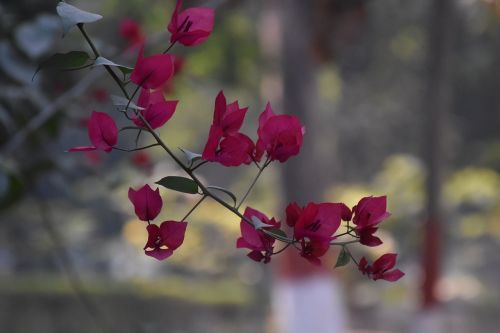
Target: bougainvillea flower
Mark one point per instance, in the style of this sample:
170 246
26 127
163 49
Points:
132 32
279 135
232 150
368 213
225 144
163 240
320 221
147 203
293 212
380 270
191 26
228 117
152 72
155 109
260 244
103 133
314 227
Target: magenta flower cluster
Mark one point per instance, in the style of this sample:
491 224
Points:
311 229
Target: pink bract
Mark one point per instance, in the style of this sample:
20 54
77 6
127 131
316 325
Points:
152 72
381 268
280 136
225 144
315 226
368 214
102 131
165 239
147 203
155 109
191 26
260 244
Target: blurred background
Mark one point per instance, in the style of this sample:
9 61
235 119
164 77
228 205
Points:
398 98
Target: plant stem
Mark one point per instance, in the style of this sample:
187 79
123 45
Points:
169 47
345 243
350 255
131 128
136 149
191 174
194 207
253 183
283 249
199 165
97 54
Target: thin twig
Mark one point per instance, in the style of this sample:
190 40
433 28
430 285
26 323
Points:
136 149
68 266
186 169
253 183
194 207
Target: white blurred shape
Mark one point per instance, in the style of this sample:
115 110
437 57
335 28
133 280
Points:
313 304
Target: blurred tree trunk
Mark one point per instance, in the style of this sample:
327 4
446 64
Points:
436 105
302 176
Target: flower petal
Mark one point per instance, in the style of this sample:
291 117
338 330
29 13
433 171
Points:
102 131
172 233
152 72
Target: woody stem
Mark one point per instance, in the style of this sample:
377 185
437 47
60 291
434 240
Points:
194 207
191 174
253 183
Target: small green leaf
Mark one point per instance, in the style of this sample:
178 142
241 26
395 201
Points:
258 224
222 189
190 156
64 61
179 184
277 233
122 102
101 61
343 258
72 16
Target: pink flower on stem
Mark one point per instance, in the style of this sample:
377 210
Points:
225 144
380 270
228 117
152 72
132 32
260 243
163 240
280 136
192 26
147 203
102 131
155 109
293 212
368 213
314 227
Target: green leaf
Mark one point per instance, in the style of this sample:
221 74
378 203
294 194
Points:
64 61
258 224
122 102
101 61
277 233
190 156
72 16
343 258
179 184
222 189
